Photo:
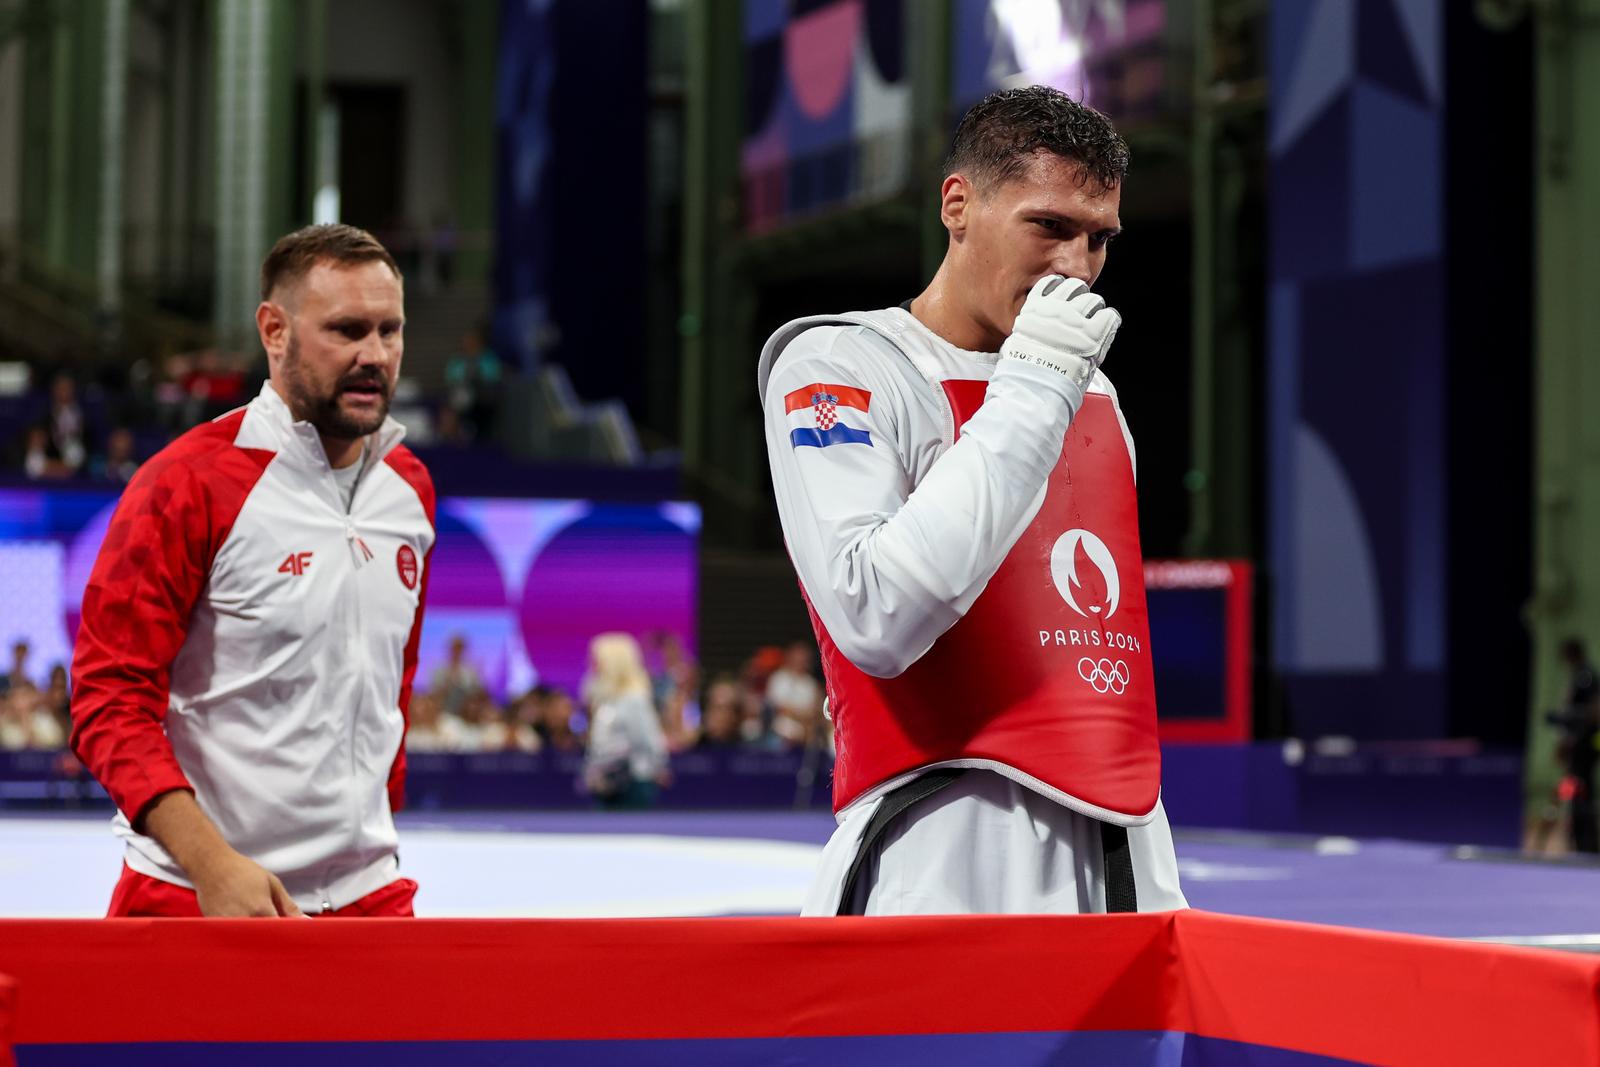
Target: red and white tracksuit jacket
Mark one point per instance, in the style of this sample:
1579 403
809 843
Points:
246 636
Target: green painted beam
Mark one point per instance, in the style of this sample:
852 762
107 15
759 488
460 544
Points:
282 214
1566 598
932 124
712 123
314 46
478 29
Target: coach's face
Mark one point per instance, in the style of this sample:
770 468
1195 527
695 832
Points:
334 341
1050 219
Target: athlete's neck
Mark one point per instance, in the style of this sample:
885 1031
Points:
941 310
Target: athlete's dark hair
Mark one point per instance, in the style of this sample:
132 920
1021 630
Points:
296 253
1000 135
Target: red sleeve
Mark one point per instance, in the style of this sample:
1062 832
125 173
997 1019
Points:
416 475
152 567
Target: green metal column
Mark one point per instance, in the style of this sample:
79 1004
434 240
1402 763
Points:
113 161
1227 114
85 100
928 26
710 222
478 22
65 190
67 91
38 130
254 156
282 213
1566 598
314 16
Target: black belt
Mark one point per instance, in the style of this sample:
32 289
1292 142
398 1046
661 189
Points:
893 803
1120 893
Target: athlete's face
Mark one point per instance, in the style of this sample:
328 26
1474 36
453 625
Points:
1050 219
334 342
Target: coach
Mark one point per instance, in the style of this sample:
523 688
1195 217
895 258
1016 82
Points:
243 668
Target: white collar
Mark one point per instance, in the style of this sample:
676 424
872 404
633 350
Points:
275 411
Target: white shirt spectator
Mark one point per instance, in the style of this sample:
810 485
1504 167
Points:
794 691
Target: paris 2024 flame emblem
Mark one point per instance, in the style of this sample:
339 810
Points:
1085 574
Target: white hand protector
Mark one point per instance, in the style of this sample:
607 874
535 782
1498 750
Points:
1063 326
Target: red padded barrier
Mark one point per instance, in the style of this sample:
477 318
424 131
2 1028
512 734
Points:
1340 993
8 1009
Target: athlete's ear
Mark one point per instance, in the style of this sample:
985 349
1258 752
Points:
956 198
272 323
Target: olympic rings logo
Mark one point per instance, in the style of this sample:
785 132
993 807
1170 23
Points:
1104 675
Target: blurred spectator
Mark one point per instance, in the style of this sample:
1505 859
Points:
522 721
472 383
56 696
719 719
627 753
26 721
447 430
555 726
795 696
483 724
65 425
755 714
674 687
40 459
680 723
16 729
215 382
119 463
456 678
431 729
171 401
678 673
18 674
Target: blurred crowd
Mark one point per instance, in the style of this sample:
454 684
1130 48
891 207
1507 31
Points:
33 705
624 721
60 423
774 702
625 718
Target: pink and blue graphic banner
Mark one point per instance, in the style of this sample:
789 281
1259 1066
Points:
527 583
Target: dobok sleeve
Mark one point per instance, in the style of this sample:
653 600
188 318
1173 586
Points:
889 565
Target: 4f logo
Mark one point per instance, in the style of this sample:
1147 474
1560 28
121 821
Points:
296 563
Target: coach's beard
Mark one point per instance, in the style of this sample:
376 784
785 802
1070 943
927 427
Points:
324 412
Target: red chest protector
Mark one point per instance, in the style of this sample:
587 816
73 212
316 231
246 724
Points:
1048 675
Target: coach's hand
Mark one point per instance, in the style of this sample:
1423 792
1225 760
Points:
1063 326
229 884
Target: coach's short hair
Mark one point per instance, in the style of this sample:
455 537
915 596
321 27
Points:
331 242
1003 131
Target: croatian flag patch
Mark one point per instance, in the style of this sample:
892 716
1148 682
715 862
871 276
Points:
817 415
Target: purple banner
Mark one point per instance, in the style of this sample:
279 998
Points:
527 583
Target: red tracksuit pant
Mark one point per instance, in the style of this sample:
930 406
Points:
138 896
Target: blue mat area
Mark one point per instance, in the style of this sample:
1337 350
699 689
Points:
564 864
1398 886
